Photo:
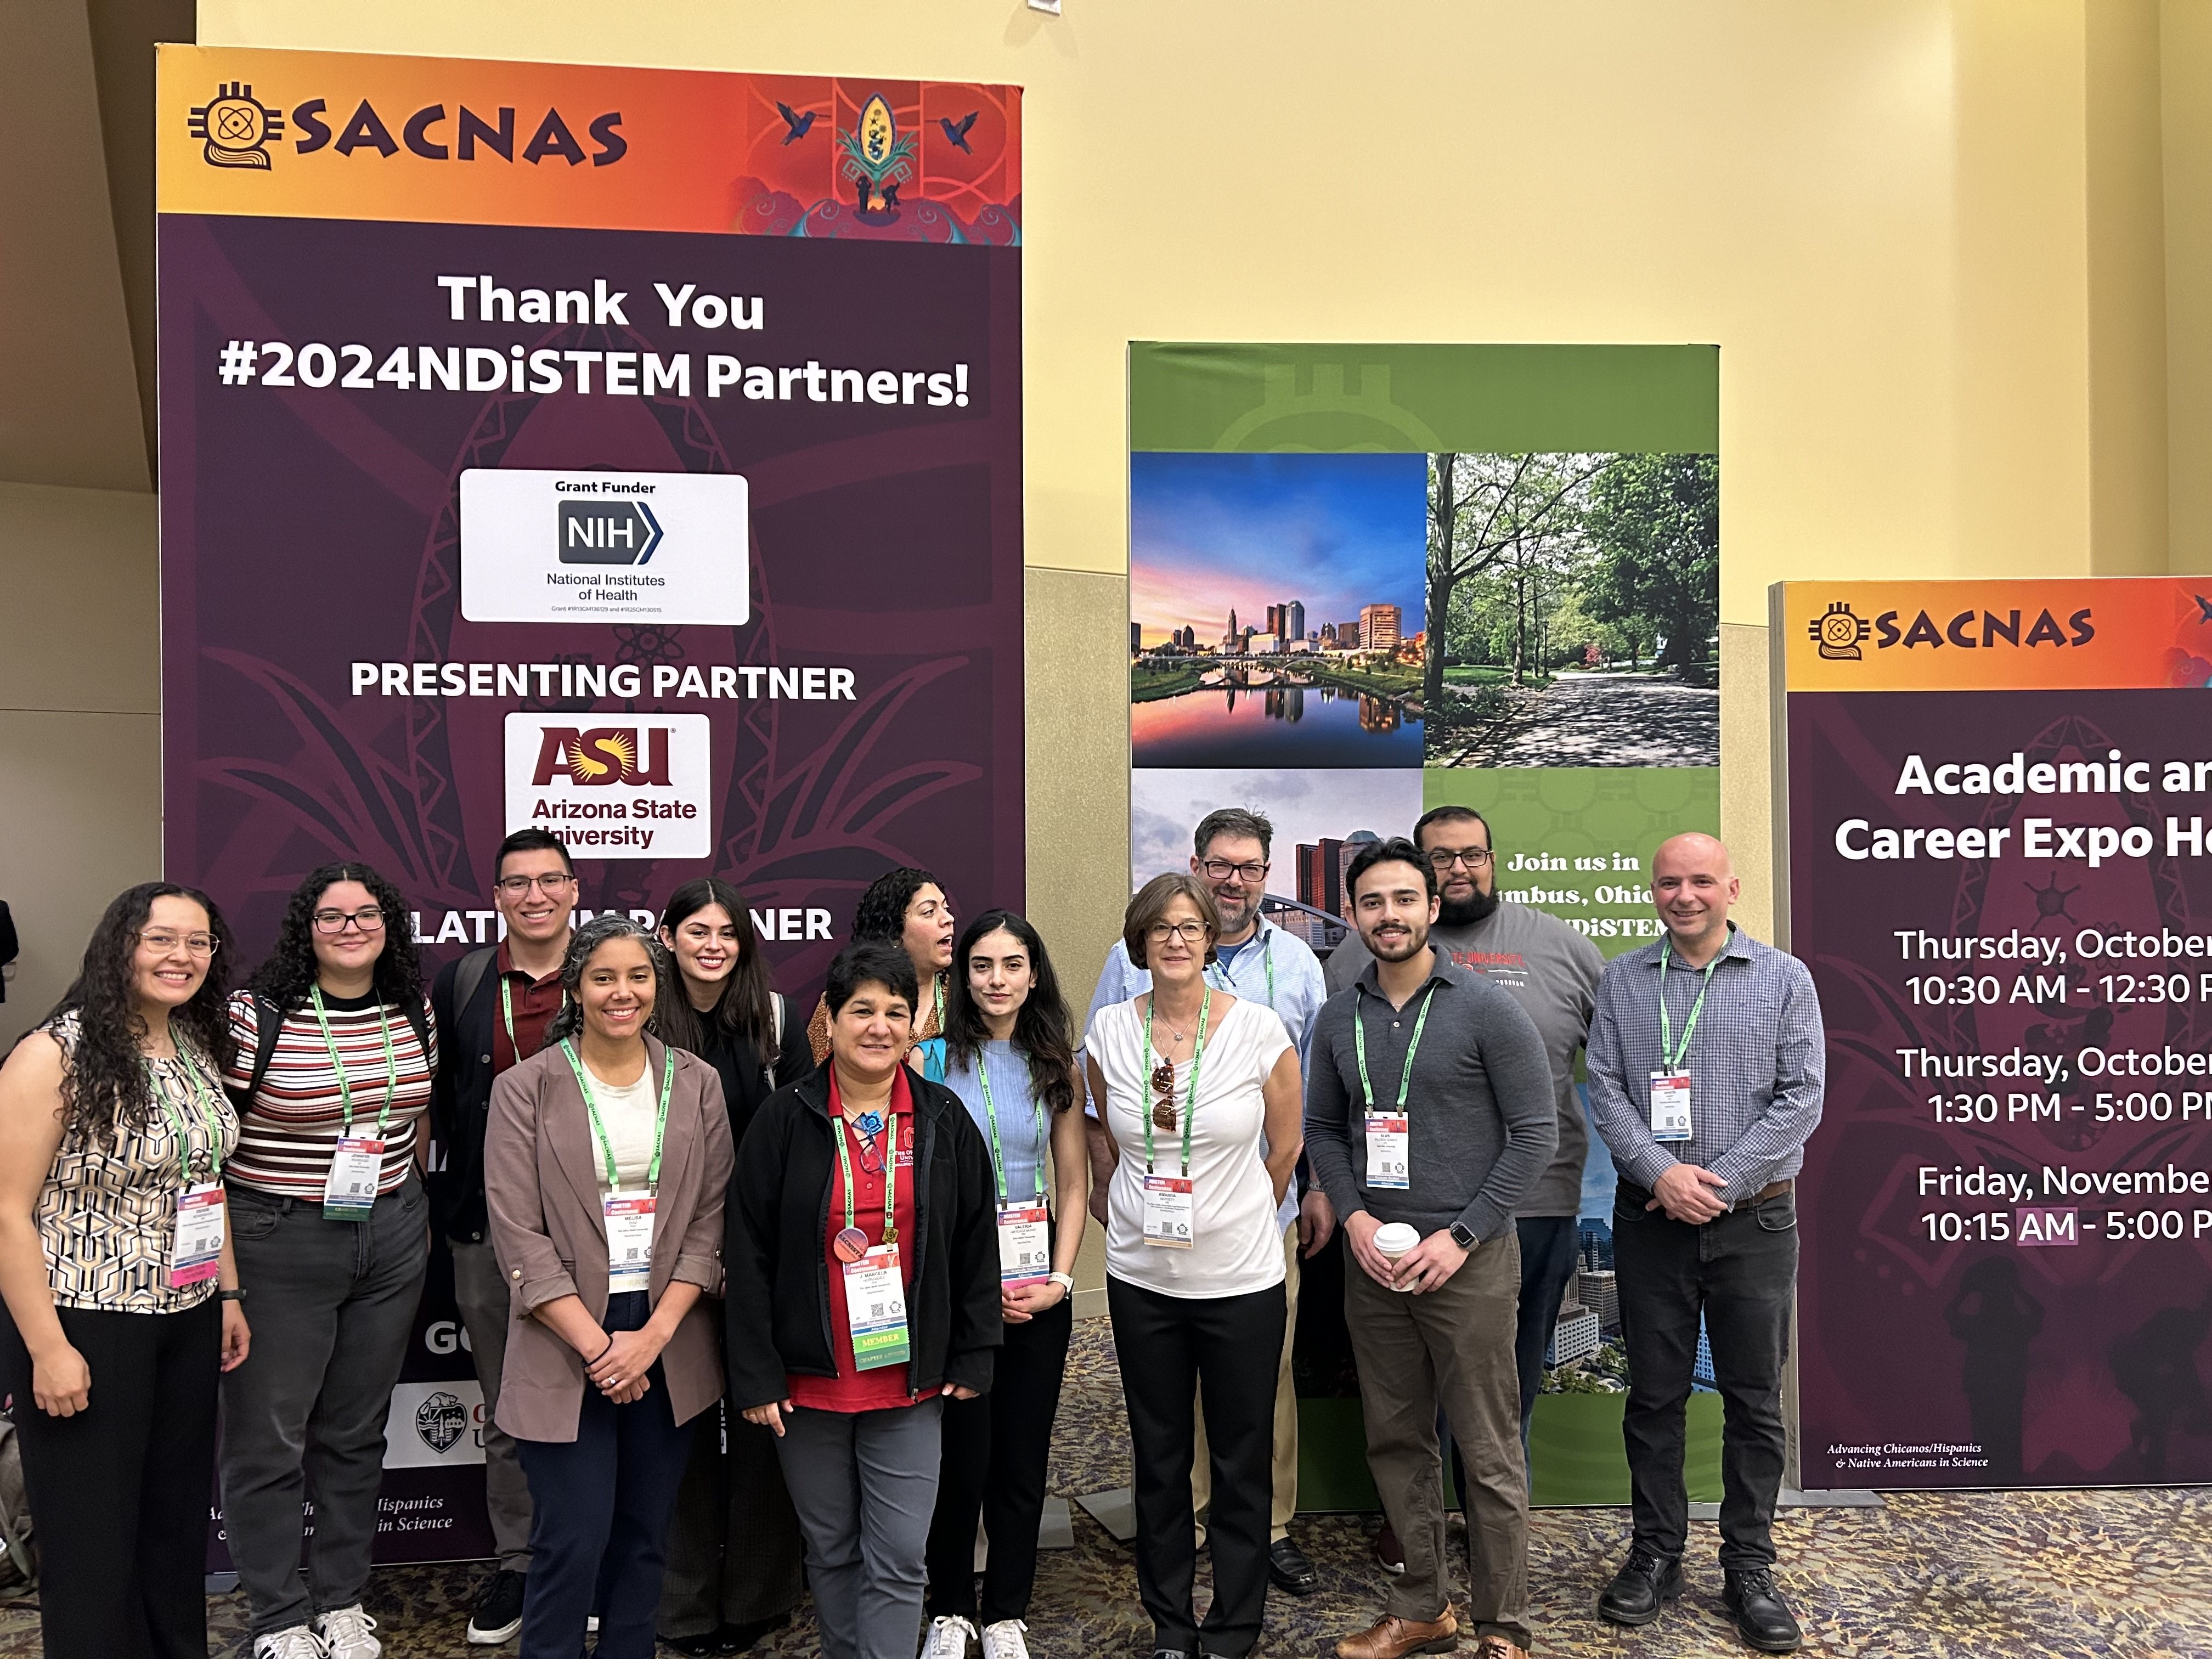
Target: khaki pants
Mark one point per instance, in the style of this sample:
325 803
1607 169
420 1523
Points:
1285 1495
1454 1344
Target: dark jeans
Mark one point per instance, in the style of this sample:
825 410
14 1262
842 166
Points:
1167 1347
1738 1271
1547 1263
599 1507
332 1304
996 1448
119 1491
733 1554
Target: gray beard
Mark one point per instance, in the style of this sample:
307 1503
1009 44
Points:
1465 913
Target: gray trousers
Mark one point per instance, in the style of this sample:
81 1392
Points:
865 1485
1452 1345
330 1304
486 1307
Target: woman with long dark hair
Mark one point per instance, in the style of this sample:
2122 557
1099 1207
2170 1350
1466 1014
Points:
1010 1055
906 908
335 1065
113 1128
734 1573
606 1164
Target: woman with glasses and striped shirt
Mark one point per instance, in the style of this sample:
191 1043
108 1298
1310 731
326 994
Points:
335 1065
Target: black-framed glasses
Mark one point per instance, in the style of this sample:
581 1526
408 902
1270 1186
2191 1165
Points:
553 885
1221 870
162 942
1442 859
369 918
1190 933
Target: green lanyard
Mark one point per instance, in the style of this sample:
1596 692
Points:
936 988
606 1145
209 1113
346 1089
1190 1104
1406 1073
1266 961
506 1010
890 1174
991 1113
1668 1052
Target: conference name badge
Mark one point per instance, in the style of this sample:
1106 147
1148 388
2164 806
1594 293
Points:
1389 1150
1168 1212
875 1309
349 1190
1025 1245
1670 1105
629 1241
196 1251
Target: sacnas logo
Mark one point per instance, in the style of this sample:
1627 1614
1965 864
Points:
639 789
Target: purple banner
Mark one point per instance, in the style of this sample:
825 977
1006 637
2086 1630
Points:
2005 903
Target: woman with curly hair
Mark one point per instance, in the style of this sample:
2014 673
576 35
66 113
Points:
905 907
606 1163
113 1126
333 1072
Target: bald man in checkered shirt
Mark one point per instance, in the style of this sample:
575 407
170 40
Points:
1707 1063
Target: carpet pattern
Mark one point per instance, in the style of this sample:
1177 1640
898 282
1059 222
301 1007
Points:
2086 1575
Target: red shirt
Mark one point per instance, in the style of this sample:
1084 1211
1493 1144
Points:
536 1001
853 1389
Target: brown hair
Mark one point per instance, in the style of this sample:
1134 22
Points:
1151 906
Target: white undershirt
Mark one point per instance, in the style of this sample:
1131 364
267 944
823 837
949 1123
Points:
629 1112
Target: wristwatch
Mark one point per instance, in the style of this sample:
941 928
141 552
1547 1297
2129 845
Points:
1460 1236
1065 1281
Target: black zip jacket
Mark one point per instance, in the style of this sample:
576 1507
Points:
777 1312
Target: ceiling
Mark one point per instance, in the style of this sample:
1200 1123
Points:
76 264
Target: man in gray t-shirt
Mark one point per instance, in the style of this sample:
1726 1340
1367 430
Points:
1552 972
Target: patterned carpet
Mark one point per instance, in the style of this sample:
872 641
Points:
2055 1575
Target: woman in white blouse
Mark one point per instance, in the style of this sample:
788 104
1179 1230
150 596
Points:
1199 1091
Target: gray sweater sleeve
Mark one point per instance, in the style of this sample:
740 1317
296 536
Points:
1521 1082
1329 1106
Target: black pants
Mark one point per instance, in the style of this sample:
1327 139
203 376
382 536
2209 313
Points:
599 1509
1547 1263
996 1448
1737 1271
734 1553
1168 1345
119 1492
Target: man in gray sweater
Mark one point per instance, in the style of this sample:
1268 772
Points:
1430 1110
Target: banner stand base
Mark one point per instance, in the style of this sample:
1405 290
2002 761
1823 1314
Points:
1836 1498
221 1584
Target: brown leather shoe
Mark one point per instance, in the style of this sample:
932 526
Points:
1494 1646
1395 1637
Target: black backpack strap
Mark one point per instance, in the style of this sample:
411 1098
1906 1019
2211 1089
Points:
468 974
268 1026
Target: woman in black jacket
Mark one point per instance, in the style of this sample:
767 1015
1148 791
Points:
863 1289
733 1570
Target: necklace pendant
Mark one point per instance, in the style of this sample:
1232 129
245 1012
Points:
1164 1115
869 1123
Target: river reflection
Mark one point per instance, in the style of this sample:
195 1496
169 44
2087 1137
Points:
1274 725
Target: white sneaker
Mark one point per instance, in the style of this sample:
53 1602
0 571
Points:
1004 1640
949 1636
297 1641
345 1633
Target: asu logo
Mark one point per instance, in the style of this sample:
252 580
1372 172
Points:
236 126
1840 632
605 755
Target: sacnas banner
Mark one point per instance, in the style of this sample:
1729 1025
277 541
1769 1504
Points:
630 454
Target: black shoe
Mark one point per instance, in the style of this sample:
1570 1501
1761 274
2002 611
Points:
1762 1617
498 1615
736 1639
1644 1584
695 1647
1289 1570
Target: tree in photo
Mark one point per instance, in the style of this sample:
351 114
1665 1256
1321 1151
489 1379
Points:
1654 524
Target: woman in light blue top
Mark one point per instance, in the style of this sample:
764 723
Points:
1009 1056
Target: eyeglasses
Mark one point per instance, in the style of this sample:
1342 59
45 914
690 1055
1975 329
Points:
1164 1109
162 943
1443 858
552 886
1190 933
369 920
1221 870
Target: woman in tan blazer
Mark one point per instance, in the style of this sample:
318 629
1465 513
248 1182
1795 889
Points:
606 1162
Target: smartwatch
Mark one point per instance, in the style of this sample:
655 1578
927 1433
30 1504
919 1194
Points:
1460 1236
1065 1281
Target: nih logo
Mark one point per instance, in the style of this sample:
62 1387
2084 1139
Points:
607 532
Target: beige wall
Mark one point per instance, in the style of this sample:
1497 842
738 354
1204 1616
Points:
80 740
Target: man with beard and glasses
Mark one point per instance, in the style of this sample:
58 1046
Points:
1428 1117
1552 972
1260 963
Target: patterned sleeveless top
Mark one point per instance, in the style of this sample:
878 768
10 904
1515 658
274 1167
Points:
106 1217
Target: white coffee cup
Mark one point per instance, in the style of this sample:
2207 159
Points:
1394 1239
